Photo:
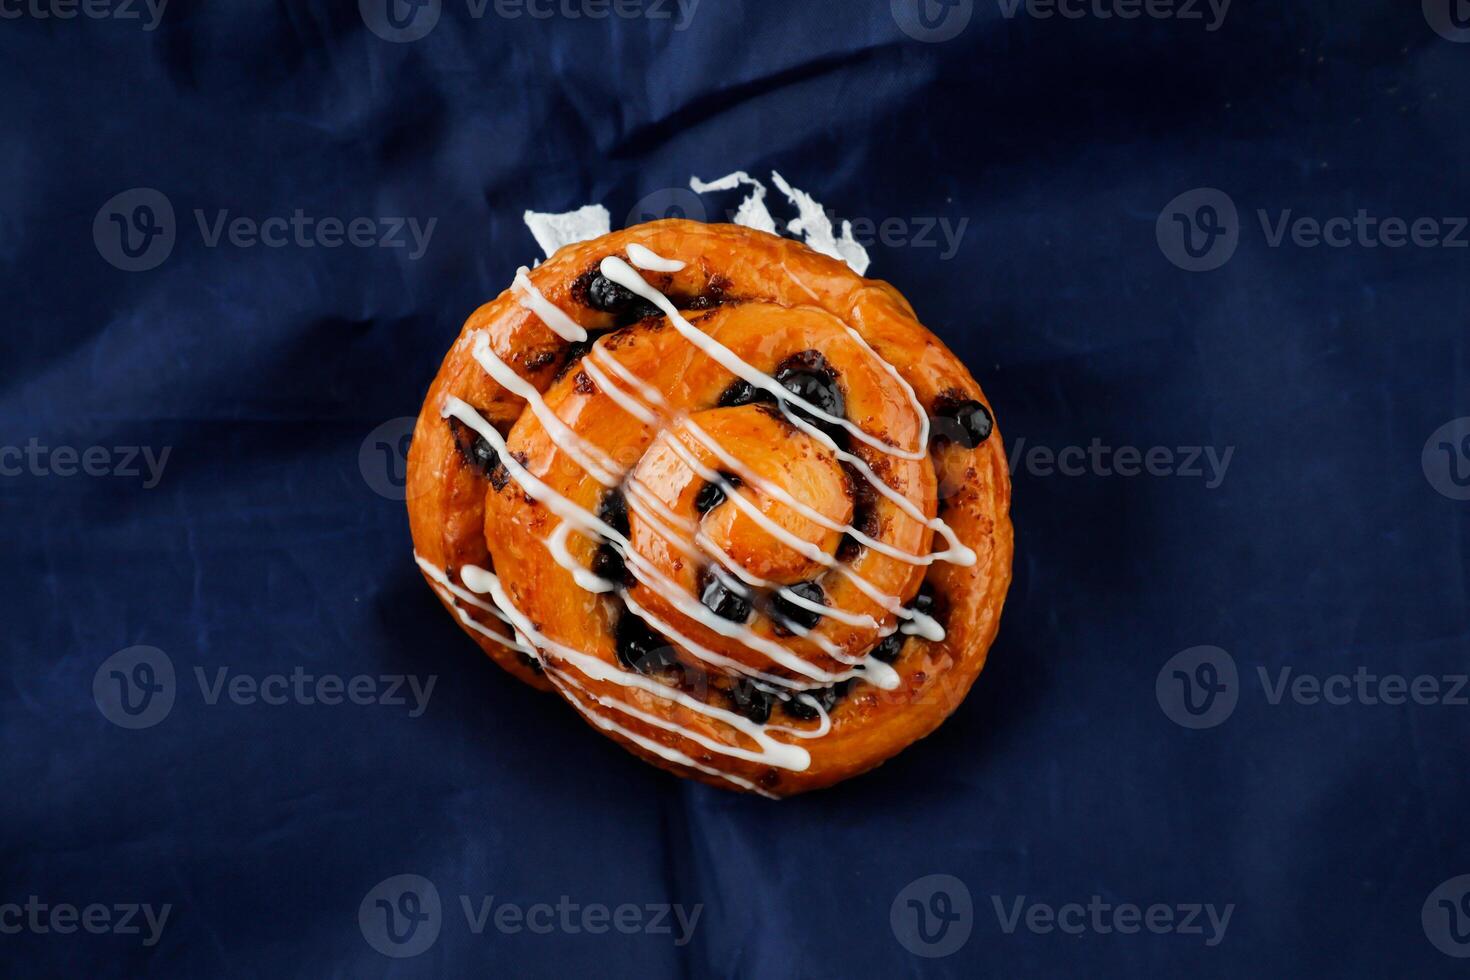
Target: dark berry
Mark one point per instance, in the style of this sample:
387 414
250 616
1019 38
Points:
725 602
808 376
605 295
640 648
473 448
826 697
613 511
712 494
608 563
889 648
750 701
924 601
800 615
965 422
744 393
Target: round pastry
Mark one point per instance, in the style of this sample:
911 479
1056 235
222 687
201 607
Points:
724 496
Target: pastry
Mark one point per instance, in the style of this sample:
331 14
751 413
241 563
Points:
722 495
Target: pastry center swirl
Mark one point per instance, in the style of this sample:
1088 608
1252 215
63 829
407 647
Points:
747 525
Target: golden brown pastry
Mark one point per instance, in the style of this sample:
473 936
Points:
723 495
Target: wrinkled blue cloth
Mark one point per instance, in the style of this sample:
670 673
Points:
237 241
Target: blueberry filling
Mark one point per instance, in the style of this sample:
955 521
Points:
743 393
711 495
966 422
809 377
826 697
800 615
724 602
750 701
607 296
478 453
613 511
640 648
891 646
608 563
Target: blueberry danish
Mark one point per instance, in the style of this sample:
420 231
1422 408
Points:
724 496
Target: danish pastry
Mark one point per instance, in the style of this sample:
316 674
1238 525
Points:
721 494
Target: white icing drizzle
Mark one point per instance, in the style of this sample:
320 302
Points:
532 299
771 752
606 471
922 624
598 464
663 751
446 588
644 258
643 570
626 276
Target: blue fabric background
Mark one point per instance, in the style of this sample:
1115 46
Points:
265 546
